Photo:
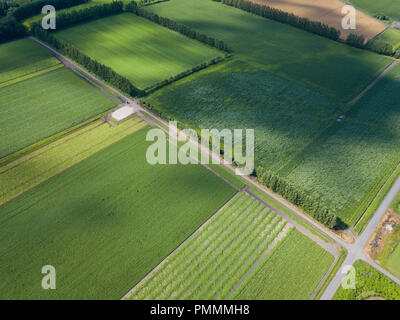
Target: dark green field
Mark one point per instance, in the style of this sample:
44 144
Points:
103 224
329 67
342 165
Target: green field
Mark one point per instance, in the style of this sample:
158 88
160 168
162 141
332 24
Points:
350 164
341 164
327 66
138 49
389 8
393 261
390 36
103 224
41 106
38 166
370 283
245 237
23 57
292 272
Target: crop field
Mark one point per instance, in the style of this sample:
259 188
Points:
292 272
41 106
23 57
333 69
38 166
328 12
244 236
389 8
286 116
370 283
390 36
142 51
111 219
348 166
297 135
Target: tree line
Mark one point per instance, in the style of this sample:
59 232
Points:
11 26
284 17
316 27
100 70
33 8
299 198
178 27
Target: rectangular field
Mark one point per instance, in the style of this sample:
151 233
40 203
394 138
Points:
23 57
40 165
292 272
346 168
220 260
103 224
138 49
39 107
332 68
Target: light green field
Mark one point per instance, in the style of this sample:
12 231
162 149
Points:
245 237
390 8
104 223
138 49
41 106
370 283
316 62
390 36
292 272
22 57
241 233
38 166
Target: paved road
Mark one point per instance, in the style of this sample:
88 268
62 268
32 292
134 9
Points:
355 251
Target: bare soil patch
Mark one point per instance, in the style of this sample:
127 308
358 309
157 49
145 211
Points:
329 12
382 232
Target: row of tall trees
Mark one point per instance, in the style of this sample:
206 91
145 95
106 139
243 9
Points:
69 18
183 74
178 27
374 45
285 17
299 198
102 71
319 28
33 8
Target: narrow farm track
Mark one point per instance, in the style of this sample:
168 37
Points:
355 251
374 82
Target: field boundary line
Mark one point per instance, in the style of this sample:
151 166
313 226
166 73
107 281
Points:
373 83
60 172
30 75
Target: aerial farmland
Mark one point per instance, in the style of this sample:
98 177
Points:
229 150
